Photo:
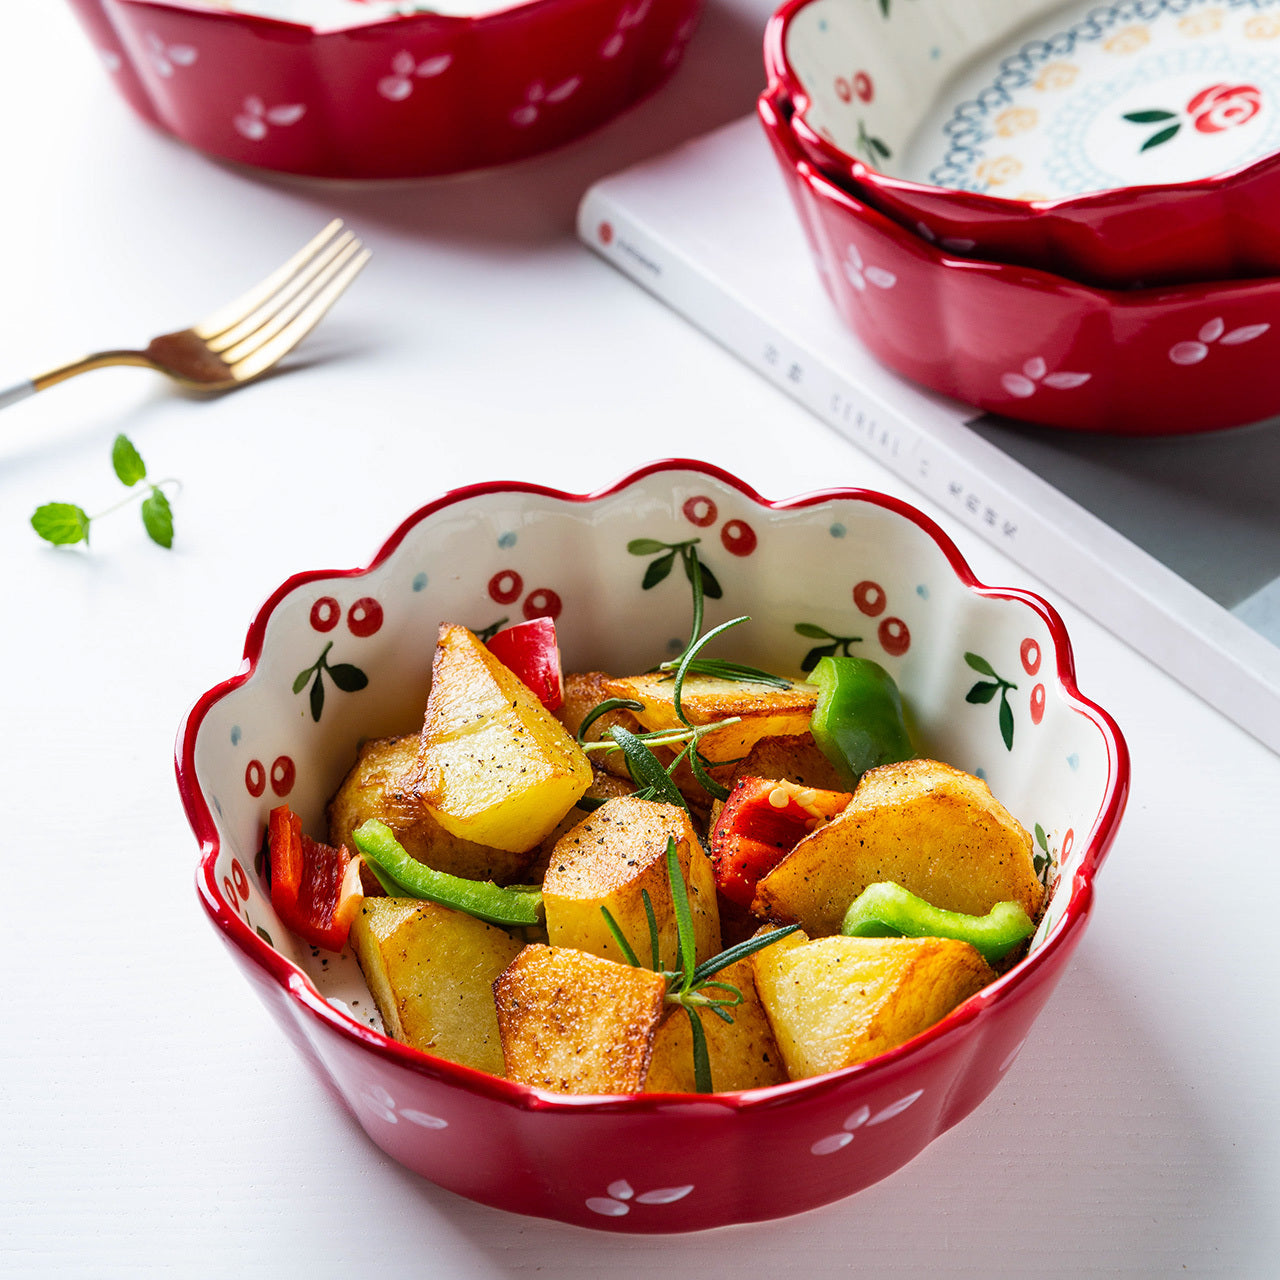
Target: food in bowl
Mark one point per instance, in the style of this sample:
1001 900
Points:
633 839
828 570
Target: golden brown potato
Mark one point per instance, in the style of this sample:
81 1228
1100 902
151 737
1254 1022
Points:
574 1023
604 786
496 767
743 1054
763 711
836 1001
584 690
380 785
431 972
609 860
935 830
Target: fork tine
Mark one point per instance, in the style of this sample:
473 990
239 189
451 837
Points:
282 297
234 312
283 342
264 333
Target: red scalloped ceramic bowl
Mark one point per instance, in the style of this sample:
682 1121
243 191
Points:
865 567
408 97
1030 345
860 75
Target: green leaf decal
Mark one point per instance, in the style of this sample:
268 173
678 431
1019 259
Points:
1148 117
157 518
1006 723
61 523
645 546
317 697
348 678
300 680
812 631
1157 138
710 586
658 569
982 692
127 461
816 654
981 664
1041 839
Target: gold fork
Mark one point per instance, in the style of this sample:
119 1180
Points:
243 339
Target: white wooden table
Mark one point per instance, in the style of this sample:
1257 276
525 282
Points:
153 1119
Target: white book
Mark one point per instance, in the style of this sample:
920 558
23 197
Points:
1174 544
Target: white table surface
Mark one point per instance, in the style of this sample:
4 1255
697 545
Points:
153 1118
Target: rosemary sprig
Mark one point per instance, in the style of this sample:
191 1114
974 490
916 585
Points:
691 986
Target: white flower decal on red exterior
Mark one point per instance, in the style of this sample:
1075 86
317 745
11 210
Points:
1036 373
380 1103
166 58
957 244
631 16
861 1118
861 275
537 95
1192 352
256 118
405 68
621 1196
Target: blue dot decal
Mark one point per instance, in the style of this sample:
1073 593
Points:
235 735
922 591
837 531
1073 760
507 540
419 581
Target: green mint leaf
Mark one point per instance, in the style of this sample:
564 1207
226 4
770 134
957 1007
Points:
157 518
61 523
128 463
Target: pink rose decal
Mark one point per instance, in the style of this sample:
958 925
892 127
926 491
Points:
1223 106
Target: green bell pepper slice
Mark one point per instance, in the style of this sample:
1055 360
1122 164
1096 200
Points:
858 721
403 876
887 910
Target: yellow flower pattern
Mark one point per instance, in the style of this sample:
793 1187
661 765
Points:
1127 40
1262 27
998 169
1201 24
1057 75
1016 120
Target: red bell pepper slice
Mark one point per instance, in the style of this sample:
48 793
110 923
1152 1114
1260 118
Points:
761 822
315 888
530 650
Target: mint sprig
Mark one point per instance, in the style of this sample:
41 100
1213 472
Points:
65 524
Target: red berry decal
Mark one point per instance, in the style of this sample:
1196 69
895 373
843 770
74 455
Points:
1037 704
1030 656
229 892
241 880
739 537
255 778
1067 841
862 87
844 90
605 232
505 587
364 617
870 598
895 639
700 511
542 602
283 774
325 613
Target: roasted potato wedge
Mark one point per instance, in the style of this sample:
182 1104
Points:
611 859
763 711
743 1053
584 690
495 766
574 1023
935 830
380 785
836 1001
431 972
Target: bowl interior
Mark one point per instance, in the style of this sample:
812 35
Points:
338 657
1036 100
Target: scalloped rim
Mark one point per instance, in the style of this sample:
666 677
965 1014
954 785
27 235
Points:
299 988
783 79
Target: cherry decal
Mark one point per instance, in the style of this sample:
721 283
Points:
870 598
700 511
325 613
894 637
1037 704
238 876
739 537
255 778
1030 652
542 602
283 774
506 586
364 617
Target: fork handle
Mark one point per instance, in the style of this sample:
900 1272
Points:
19 391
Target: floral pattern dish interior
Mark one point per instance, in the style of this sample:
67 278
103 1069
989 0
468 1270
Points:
1012 103
335 657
